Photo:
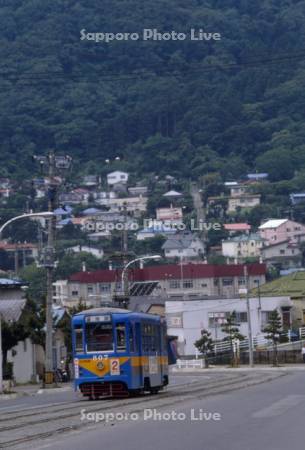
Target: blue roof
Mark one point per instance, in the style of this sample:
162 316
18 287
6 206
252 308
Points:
256 176
66 210
158 230
91 211
65 221
11 282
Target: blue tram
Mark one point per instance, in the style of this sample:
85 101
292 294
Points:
118 352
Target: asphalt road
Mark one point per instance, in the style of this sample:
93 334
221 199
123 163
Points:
67 394
268 416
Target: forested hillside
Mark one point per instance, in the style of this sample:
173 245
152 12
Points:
181 107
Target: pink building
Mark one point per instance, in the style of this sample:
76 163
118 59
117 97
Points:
278 230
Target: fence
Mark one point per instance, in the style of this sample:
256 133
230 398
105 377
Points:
259 342
260 357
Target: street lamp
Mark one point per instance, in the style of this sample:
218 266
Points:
143 258
45 214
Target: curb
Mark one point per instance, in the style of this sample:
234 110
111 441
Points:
40 391
12 396
237 369
52 390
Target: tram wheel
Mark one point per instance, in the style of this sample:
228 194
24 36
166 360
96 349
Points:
154 391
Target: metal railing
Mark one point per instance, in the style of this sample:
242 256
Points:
259 342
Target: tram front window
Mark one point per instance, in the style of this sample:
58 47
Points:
78 338
99 337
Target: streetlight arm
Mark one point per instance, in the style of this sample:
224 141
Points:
42 214
143 258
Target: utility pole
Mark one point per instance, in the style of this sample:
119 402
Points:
246 275
125 280
1 357
199 200
49 265
52 162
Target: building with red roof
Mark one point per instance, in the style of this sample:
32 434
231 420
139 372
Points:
174 281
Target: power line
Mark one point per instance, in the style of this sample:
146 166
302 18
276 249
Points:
15 76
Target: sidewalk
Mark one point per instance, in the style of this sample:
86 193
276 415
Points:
33 389
243 368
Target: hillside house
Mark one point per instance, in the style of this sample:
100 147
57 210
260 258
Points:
184 245
117 177
243 246
278 230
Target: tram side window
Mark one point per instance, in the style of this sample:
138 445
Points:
132 344
121 337
78 330
99 337
150 337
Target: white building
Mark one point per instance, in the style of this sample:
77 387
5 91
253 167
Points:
132 204
244 201
95 251
117 177
187 319
155 228
169 215
243 246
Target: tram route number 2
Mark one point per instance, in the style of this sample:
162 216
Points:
115 367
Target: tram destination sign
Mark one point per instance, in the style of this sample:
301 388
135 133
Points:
94 319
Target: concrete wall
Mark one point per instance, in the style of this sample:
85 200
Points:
187 319
23 357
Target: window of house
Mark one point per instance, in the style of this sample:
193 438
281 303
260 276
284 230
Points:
90 289
174 284
241 317
227 281
241 281
217 319
74 293
104 288
187 284
265 317
282 252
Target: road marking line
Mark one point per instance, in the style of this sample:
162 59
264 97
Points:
279 407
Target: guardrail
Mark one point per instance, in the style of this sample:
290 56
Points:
190 363
259 342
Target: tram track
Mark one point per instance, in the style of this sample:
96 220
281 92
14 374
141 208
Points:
24 425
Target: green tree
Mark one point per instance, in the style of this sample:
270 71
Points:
205 345
37 280
273 329
231 329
